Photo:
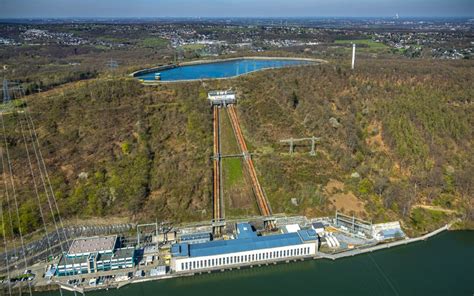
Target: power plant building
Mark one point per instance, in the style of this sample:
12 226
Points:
92 254
246 248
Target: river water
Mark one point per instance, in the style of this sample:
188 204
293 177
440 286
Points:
442 265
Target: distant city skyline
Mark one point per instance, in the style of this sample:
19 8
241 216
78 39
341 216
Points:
234 8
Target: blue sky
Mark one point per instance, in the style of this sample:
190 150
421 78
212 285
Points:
238 8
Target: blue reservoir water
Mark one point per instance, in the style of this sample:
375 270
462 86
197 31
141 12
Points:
221 69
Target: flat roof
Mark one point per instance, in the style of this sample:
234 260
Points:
117 254
245 230
247 240
291 228
391 232
76 260
180 250
308 235
318 225
92 244
221 92
124 253
194 236
221 96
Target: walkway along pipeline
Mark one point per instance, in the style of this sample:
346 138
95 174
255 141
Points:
217 198
262 201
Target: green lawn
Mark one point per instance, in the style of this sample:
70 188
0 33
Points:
112 39
228 140
233 171
238 197
367 42
193 47
154 42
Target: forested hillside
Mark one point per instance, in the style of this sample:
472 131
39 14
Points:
396 142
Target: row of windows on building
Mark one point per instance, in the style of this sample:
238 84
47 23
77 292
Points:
100 265
76 269
113 262
205 263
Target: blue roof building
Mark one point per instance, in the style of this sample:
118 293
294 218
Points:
246 241
245 230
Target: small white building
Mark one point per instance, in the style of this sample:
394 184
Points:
222 97
290 228
384 231
149 259
159 270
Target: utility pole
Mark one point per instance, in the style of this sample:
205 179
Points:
112 64
292 141
313 144
353 55
6 93
10 89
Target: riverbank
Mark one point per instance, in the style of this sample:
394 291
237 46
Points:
319 255
384 246
413 269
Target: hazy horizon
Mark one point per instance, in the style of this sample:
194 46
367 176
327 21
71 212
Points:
232 17
232 8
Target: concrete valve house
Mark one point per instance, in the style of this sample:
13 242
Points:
220 97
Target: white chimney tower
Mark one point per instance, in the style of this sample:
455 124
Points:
353 55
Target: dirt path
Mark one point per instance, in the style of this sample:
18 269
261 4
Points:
435 208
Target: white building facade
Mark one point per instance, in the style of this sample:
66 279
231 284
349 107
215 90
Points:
243 258
248 248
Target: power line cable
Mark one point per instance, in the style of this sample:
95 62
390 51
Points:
42 166
35 187
15 198
6 249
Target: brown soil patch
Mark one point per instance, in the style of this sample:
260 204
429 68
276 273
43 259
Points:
240 198
434 208
376 142
399 171
156 194
344 202
68 170
348 203
334 186
97 221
